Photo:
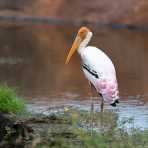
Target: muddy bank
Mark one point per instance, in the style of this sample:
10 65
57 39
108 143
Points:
33 131
69 129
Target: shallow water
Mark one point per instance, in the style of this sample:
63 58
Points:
32 59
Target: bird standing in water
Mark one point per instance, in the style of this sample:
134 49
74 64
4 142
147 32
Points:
97 67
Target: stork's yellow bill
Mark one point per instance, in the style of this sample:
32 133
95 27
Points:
74 47
78 40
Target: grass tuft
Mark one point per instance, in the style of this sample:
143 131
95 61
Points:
9 101
77 134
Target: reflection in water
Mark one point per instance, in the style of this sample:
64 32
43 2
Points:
32 59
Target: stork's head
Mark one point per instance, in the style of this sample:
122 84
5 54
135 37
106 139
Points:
82 39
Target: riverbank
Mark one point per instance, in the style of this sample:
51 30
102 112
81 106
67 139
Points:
68 129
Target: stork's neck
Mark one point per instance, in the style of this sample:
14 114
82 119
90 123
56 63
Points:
85 42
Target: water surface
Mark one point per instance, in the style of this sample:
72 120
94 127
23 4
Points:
32 59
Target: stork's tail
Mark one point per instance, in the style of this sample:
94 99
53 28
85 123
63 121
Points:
114 103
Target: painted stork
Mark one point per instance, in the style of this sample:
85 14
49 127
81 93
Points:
97 67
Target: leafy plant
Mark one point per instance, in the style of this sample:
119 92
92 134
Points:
9 101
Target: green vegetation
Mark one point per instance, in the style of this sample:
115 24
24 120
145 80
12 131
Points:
116 139
9 101
70 128
79 134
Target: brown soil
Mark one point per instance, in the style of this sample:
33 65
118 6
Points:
31 131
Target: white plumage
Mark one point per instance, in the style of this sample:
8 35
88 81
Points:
97 67
100 63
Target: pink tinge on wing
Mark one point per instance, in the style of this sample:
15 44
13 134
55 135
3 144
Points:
102 84
108 88
111 92
107 98
112 86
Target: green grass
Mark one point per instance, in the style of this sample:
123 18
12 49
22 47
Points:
112 135
9 101
115 139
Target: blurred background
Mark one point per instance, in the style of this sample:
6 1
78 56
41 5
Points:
117 11
35 36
